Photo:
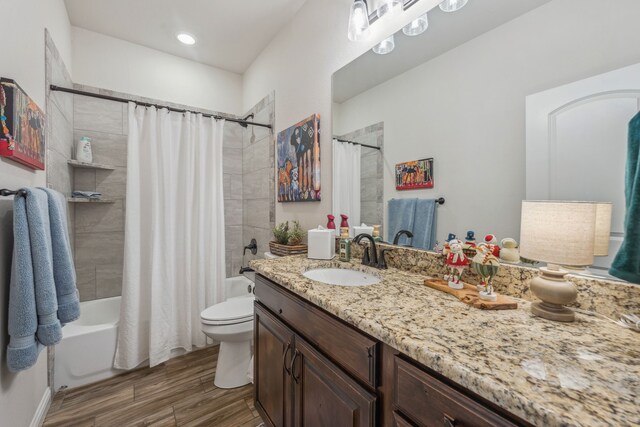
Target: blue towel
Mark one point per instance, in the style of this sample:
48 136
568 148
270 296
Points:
32 281
424 224
64 272
401 214
23 349
626 264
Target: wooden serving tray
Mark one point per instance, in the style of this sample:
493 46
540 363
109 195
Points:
469 295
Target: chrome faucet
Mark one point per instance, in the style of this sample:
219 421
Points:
370 256
401 233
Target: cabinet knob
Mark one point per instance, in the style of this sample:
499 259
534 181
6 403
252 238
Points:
280 311
448 421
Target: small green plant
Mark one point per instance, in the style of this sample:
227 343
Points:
296 234
281 233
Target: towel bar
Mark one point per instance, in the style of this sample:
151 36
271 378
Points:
5 192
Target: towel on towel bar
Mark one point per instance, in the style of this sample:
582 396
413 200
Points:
424 224
33 304
401 217
64 272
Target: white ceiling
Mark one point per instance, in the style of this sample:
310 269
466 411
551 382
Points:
445 32
230 33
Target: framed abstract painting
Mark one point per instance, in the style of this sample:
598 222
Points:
22 126
298 178
414 175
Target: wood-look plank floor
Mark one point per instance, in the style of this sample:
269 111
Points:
179 392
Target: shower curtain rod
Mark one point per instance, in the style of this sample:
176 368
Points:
358 143
243 123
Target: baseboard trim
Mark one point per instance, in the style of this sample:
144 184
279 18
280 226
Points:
43 408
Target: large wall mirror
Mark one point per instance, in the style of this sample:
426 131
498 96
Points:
512 100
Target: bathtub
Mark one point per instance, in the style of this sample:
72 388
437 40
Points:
88 345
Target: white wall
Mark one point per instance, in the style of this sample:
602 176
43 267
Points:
466 108
22 31
115 64
298 65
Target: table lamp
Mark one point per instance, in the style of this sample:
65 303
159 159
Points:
558 233
602 238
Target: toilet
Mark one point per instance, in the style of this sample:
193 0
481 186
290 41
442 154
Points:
231 324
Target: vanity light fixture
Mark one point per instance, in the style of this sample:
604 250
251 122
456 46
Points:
186 38
385 46
452 5
417 26
359 21
388 7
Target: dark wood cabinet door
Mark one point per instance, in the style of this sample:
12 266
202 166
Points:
324 395
273 349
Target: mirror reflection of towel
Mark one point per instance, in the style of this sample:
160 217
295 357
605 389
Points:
401 213
424 226
626 264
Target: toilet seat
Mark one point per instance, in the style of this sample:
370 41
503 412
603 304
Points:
231 312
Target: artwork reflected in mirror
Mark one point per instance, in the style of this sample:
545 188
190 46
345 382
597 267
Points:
508 116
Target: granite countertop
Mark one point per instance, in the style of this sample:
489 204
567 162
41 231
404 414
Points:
585 373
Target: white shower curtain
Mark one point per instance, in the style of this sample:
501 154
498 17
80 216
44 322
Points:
346 182
174 256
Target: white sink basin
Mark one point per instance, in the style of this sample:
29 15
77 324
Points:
341 277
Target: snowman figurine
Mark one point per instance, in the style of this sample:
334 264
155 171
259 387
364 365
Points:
486 264
457 261
492 242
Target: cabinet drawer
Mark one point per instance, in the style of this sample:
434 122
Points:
400 421
353 351
430 402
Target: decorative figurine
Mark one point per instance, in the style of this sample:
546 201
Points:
470 239
486 265
445 249
345 221
457 261
438 248
509 252
330 224
492 241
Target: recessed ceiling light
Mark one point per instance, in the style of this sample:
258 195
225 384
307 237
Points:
187 39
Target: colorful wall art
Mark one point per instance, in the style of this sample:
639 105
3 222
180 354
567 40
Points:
414 175
22 125
298 177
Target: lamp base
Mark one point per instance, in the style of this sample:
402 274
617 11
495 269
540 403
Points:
555 312
555 292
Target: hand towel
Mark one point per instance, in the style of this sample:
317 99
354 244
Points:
23 349
64 273
424 224
401 214
626 264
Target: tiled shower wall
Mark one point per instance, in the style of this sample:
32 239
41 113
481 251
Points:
99 227
371 174
59 135
258 178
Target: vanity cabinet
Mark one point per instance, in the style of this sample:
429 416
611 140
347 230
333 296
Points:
313 369
297 386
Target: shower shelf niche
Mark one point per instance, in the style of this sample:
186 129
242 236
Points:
83 165
80 200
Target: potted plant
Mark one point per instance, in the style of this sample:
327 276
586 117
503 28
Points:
288 239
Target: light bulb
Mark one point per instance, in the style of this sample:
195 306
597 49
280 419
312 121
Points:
385 46
358 21
417 26
388 7
186 38
452 5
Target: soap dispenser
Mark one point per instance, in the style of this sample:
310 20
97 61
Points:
345 245
376 234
